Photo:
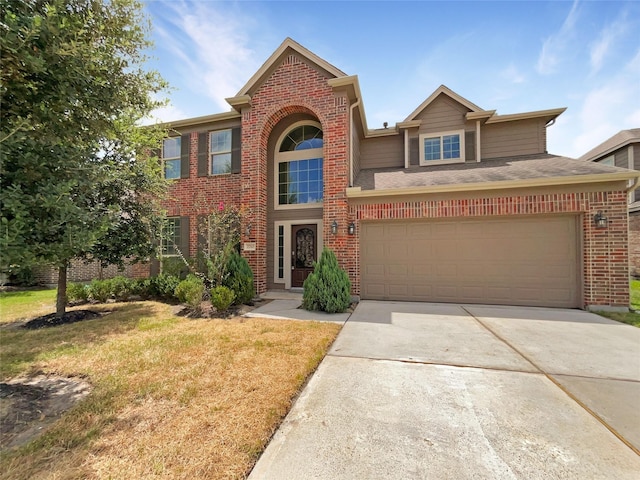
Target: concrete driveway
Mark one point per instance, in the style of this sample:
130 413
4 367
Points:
413 391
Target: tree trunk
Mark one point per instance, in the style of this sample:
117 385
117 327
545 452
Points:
61 298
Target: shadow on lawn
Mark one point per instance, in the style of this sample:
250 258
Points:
22 347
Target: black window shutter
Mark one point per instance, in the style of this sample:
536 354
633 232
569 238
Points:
184 236
470 146
185 148
203 154
236 136
414 151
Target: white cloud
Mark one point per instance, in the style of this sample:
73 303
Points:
606 40
512 74
212 47
554 47
165 114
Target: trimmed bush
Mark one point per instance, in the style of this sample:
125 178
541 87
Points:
328 288
175 267
190 291
222 298
77 292
142 287
163 286
100 290
122 288
239 278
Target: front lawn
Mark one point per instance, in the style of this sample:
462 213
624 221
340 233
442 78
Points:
172 397
25 304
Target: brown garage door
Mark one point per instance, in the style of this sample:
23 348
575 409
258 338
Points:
519 261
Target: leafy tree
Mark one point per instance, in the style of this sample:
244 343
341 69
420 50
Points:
76 173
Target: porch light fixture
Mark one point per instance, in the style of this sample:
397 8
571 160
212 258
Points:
352 228
247 230
334 228
600 220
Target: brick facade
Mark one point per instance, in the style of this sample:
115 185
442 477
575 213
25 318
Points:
293 87
80 271
634 243
605 257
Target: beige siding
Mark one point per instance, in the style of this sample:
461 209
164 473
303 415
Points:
379 152
355 142
443 114
621 158
523 137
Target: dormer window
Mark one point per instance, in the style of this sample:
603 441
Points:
442 148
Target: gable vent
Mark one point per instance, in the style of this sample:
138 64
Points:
291 60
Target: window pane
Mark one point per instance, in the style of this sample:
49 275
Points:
221 163
302 138
171 236
432 148
171 147
302 184
451 146
172 169
220 141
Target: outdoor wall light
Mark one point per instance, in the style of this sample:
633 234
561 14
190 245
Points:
352 228
247 230
600 220
334 227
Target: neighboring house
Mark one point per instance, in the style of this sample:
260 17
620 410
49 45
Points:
623 150
453 204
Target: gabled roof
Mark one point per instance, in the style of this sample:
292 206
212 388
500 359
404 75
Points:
619 140
275 58
446 91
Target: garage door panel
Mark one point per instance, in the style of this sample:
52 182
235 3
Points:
519 261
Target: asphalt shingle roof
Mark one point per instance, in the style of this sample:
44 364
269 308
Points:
623 137
495 170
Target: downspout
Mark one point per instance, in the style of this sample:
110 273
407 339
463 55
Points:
351 108
634 185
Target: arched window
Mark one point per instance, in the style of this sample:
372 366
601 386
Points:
299 179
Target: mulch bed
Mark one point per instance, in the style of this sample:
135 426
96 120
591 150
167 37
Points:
52 320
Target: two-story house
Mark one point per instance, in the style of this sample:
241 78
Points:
454 203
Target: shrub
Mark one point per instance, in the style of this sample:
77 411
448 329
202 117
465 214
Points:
163 286
100 290
239 278
222 298
142 287
328 288
22 276
190 291
77 292
122 288
175 266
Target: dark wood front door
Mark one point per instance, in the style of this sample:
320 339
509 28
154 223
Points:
304 246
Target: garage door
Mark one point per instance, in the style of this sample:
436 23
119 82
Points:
519 261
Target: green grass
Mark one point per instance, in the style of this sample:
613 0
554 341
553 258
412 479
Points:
630 318
26 304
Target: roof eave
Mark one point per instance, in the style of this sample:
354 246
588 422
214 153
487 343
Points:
550 114
188 122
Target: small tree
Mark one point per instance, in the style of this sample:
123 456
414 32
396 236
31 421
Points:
328 288
239 278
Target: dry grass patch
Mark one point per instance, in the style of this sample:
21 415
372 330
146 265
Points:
172 397
24 304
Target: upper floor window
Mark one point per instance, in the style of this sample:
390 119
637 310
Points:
299 167
220 152
610 160
441 148
171 157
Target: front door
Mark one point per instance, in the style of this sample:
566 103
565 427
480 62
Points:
304 252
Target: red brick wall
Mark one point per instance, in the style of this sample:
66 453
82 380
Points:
605 256
634 243
79 271
193 196
294 87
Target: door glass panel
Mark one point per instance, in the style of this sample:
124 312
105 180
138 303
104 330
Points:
305 248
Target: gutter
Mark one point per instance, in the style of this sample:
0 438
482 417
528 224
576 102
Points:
634 185
357 192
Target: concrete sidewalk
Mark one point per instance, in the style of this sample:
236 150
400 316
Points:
414 390
286 306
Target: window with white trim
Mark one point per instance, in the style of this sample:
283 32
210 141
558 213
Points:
442 148
171 157
299 178
171 236
220 152
610 160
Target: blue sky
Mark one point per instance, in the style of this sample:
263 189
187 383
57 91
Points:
508 56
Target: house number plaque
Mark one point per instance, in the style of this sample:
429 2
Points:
249 246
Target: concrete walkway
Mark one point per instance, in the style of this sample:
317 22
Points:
286 306
413 391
